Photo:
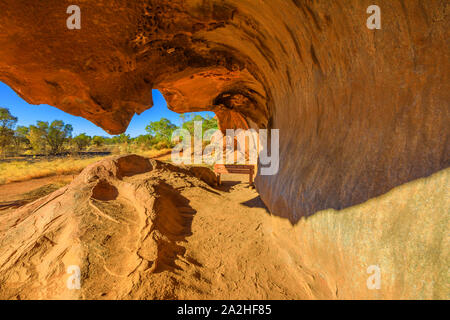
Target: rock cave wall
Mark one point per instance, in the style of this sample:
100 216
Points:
359 111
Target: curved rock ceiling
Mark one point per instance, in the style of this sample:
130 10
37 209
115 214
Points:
359 111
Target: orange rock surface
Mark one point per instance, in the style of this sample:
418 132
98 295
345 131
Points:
360 111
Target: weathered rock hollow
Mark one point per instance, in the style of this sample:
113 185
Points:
359 111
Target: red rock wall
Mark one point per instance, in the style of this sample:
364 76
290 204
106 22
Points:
359 111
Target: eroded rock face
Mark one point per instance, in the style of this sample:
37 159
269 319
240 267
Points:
359 111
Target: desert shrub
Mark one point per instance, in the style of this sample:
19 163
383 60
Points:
162 145
144 141
81 141
98 141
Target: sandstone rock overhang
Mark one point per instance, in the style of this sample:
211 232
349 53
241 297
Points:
359 111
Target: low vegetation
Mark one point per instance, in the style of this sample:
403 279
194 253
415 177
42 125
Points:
47 149
25 170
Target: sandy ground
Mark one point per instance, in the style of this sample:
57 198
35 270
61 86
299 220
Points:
17 194
16 190
239 255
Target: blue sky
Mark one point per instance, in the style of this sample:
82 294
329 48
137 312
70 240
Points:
29 114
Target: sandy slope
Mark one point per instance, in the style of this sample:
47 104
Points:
238 255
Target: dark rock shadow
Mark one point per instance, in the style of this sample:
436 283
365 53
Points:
226 186
255 203
174 222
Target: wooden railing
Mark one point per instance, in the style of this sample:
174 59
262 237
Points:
220 169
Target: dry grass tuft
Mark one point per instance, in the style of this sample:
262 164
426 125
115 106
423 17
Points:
23 170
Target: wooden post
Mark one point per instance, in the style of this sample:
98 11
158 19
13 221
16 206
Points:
219 182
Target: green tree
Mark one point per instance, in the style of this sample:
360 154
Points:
82 141
162 130
58 133
7 124
36 137
144 140
98 141
189 123
124 138
119 139
45 137
20 140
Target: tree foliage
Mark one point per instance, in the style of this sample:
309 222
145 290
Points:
20 140
98 141
7 124
162 130
82 141
189 123
52 138
144 140
45 137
